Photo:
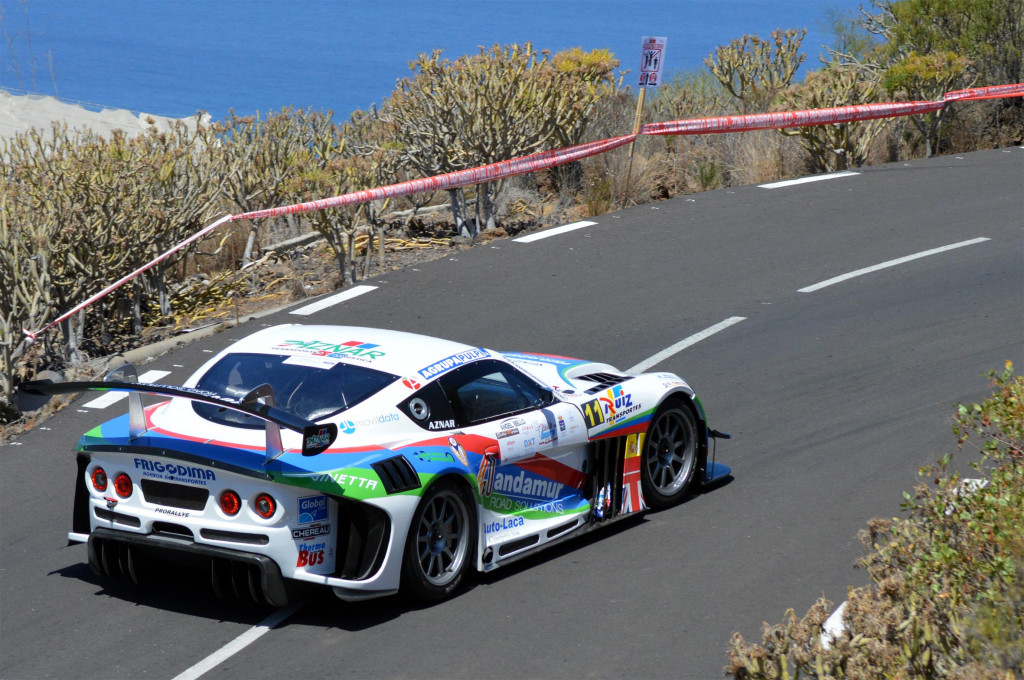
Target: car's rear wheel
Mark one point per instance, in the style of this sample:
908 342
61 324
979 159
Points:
439 547
670 455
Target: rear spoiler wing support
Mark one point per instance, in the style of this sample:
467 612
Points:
259 402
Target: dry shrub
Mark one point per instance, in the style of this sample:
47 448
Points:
518 205
611 180
762 156
947 593
990 124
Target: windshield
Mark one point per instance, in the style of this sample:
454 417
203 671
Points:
310 388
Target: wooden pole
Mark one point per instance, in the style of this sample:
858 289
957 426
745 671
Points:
636 131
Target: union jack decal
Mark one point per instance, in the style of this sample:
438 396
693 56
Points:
632 493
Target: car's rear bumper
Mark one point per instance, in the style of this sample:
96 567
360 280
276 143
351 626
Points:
232 572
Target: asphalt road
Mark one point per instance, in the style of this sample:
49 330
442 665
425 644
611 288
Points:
835 399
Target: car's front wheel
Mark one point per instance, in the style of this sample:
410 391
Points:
670 455
439 547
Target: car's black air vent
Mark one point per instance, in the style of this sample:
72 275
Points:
603 380
397 474
175 495
234 536
173 530
117 517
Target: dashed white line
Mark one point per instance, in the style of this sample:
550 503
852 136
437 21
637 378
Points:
111 398
554 231
239 643
891 263
683 344
333 300
805 180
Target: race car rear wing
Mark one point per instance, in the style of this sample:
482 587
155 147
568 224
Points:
259 402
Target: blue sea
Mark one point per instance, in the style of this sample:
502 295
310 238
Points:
174 57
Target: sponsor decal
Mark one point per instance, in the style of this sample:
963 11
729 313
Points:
615 405
513 423
310 556
172 513
350 426
411 383
175 472
433 457
311 532
345 350
343 479
440 424
485 475
548 436
504 524
321 438
457 449
561 424
530 357
313 509
521 485
506 504
378 420
669 379
455 360
622 399
507 433
509 445
623 404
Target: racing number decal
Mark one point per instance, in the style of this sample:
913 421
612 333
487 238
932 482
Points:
594 413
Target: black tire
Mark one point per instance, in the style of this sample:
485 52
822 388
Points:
440 544
671 455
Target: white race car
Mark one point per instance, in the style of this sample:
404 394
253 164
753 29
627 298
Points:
369 461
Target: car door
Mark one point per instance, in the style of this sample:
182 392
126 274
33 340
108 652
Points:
531 476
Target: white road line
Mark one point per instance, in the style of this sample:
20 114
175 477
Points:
239 643
111 398
333 300
553 232
891 263
805 180
683 344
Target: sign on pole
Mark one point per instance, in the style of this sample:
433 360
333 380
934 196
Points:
652 60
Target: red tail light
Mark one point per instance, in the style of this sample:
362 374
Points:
265 505
123 485
230 503
99 479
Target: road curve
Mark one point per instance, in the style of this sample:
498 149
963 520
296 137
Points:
834 396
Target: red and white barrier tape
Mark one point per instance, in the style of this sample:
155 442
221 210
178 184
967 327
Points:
451 180
991 92
788 119
128 277
549 159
